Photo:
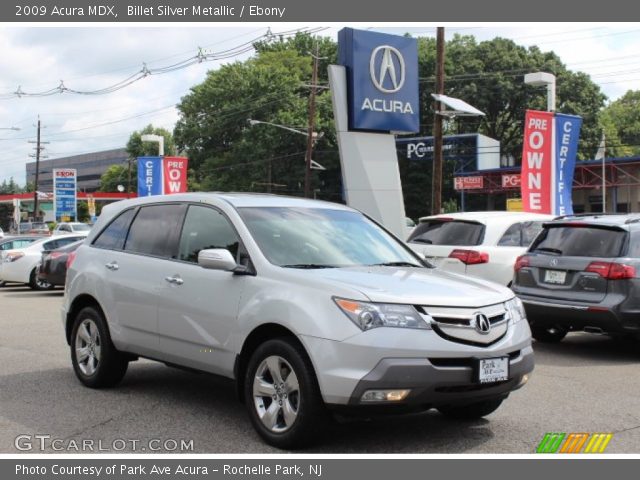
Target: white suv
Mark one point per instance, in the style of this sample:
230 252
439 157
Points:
309 306
482 244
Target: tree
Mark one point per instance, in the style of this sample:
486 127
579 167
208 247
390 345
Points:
621 123
225 153
119 174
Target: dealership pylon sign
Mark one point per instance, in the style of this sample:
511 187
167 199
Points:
162 175
549 161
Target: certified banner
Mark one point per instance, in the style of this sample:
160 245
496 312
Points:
548 162
567 134
149 176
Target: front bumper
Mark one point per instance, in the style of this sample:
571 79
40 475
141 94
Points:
437 371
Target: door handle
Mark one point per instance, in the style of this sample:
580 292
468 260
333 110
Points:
175 280
112 266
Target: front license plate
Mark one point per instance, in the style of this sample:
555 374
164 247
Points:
492 370
555 276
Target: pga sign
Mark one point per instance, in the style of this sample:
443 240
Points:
548 162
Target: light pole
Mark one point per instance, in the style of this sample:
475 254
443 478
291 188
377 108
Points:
540 79
310 163
159 139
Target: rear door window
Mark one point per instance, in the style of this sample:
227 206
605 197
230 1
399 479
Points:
451 232
581 241
154 230
114 235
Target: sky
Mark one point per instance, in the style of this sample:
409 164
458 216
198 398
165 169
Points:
83 58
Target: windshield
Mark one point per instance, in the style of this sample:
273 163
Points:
80 227
448 232
580 241
318 237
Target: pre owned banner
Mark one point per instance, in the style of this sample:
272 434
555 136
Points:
161 175
548 162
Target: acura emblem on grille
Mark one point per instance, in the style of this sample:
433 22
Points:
553 262
481 323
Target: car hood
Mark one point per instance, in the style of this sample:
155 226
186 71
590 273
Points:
416 286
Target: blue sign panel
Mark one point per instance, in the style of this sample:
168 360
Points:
567 135
149 176
382 80
64 191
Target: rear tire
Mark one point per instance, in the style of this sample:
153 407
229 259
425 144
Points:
95 360
471 411
37 284
282 395
548 334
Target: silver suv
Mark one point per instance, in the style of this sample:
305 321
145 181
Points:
310 306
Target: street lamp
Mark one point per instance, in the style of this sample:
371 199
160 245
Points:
540 79
311 164
159 139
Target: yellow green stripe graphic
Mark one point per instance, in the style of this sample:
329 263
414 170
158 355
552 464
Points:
555 442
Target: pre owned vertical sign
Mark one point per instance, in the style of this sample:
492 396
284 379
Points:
64 193
548 161
162 175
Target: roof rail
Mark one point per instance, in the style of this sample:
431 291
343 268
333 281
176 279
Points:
587 214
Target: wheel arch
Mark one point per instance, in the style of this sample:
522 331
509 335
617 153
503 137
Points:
80 302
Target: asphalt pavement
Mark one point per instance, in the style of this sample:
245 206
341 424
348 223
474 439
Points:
587 383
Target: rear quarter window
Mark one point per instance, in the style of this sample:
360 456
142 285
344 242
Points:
579 241
456 232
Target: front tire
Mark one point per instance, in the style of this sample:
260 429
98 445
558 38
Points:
95 360
548 334
282 395
471 411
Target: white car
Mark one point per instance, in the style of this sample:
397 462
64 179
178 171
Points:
309 306
19 265
482 244
66 228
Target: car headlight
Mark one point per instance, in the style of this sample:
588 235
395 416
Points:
367 315
515 309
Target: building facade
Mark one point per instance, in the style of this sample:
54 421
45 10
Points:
90 167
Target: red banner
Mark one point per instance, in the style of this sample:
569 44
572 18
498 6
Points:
175 174
468 183
537 158
511 180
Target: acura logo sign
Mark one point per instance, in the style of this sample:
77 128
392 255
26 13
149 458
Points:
481 323
383 68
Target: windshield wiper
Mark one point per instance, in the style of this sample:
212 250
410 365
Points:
308 265
396 264
549 250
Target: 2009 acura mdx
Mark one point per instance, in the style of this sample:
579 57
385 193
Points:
310 306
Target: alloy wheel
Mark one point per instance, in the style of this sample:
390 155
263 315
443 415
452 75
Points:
88 347
276 394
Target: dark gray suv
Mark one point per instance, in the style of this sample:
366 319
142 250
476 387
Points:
582 274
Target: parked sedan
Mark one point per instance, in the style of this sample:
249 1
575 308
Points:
66 228
53 266
11 243
482 244
19 265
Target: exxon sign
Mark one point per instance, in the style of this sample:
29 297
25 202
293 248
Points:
382 80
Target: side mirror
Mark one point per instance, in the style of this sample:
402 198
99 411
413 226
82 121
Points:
217 259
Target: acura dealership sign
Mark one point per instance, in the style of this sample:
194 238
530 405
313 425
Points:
382 80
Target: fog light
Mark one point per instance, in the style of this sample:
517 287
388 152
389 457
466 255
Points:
384 395
524 379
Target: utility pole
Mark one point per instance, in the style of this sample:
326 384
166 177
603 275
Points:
311 124
437 127
37 155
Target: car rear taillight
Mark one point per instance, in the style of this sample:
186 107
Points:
70 259
54 255
521 262
13 256
612 270
470 257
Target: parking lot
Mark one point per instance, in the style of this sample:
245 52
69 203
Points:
587 383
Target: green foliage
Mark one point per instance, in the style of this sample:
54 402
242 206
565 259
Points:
226 153
137 148
621 123
117 175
